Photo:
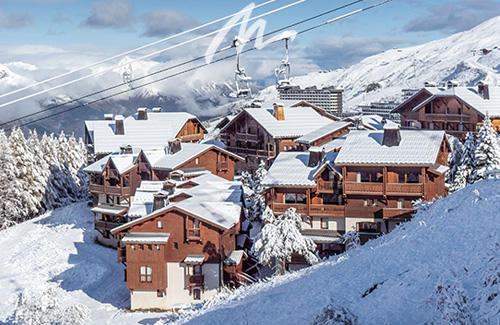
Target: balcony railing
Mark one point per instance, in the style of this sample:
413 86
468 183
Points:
255 152
392 213
194 234
115 190
222 165
327 210
448 117
191 137
325 186
369 188
414 189
282 207
246 137
105 225
197 280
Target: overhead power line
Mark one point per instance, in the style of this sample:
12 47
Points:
190 69
149 55
132 51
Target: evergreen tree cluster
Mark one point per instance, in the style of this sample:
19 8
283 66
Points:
37 174
479 153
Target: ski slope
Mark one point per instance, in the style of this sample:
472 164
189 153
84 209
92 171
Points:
391 280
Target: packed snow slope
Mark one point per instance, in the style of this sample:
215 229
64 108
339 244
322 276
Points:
393 279
58 250
458 58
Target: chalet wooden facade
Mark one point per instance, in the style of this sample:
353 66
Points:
368 186
456 110
262 133
143 130
113 180
183 252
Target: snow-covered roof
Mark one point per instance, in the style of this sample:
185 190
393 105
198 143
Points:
468 95
298 121
322 236
235 257
439 169
322 131
122 162
109 209
143 199
417 147
194 259
215 200
291 169
144 134
335 144
146 237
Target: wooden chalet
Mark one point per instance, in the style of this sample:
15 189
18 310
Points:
113 180
368 186
261 133
184 250
143 130
456 110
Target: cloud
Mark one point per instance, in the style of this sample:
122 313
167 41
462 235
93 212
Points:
454 17
111 14
165 22
15 20
334 52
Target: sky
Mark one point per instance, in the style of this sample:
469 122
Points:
51 37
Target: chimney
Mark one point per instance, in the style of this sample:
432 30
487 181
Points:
169 187
156 109
126 149
483 90
142 113
174 146
160 200
392 136
279 112
119 127
108 117
316 156
451 84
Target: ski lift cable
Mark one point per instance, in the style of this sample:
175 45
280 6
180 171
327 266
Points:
150 54
179 65
172 75
132 51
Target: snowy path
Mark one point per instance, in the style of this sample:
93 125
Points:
57 249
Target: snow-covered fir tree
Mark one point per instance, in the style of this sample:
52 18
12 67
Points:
450 303
280 238
255 202
10 196
333 314
40 167
454 158
467 164
487 153
351 239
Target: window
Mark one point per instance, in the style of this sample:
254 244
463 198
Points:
132 246
401 203
375 202
412 178
197 161
160 293
358 177
160 224
158 247
324 223
284 148
295 198
141 247
150 247
196 224
146 274
196 293
371 227
366 202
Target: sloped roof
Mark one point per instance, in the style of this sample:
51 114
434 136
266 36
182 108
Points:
417 147
214 200
291 169
146 237
322 131
298 121
143 198
334 144
122 162
145 134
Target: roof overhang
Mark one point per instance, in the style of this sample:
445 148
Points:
146 238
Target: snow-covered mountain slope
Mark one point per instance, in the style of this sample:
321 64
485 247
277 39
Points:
458 57
57 249
451 247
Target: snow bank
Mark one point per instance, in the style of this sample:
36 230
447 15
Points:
393 279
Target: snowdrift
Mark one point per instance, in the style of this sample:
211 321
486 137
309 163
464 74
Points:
441 266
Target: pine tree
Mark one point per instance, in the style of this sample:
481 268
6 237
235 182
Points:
351 239
487 153
10 198
453 158
280 238
467 164
40 167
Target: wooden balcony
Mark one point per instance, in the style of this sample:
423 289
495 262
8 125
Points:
222 166
323 210
196 281
282 207
254 152
364 188
192 137
122 254
413 189
447 117
397 213
105 225
114 190
246 137
193 234
325 186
